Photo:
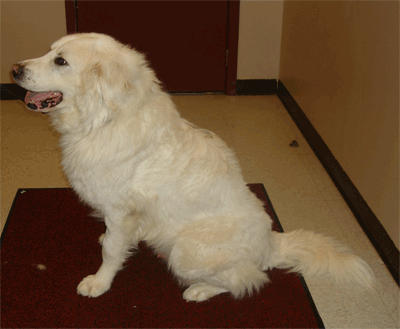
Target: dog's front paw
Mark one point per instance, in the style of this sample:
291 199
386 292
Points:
92 286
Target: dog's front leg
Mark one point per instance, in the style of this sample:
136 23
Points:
115 249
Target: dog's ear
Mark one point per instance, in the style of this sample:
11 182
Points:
115 81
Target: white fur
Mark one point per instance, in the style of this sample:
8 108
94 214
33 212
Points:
155 177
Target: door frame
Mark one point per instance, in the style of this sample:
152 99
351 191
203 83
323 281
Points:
71 11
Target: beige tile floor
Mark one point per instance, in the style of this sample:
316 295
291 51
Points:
259 130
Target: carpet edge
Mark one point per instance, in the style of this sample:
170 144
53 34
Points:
318 318
10 213
21 191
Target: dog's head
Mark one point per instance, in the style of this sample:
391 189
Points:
92 73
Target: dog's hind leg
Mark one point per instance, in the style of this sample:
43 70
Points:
238 280
211 271
115 248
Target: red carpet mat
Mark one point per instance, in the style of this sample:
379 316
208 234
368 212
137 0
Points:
50 243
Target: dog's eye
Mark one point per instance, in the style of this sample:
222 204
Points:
60 61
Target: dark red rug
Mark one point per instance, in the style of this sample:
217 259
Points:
50 243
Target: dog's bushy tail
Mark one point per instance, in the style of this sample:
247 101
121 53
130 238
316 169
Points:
315 254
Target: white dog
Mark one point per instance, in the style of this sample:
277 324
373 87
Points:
154 177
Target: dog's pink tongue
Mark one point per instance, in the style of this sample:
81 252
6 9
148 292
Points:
37 98
42 101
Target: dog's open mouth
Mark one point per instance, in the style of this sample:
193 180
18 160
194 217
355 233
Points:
43 101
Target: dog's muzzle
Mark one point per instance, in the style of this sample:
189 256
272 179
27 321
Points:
38 101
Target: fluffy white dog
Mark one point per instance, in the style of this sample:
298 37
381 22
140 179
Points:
154 177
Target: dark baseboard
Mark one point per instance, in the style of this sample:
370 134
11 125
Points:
11 91
257 87
363 213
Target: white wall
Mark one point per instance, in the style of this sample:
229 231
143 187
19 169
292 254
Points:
340 62
43 23
260 28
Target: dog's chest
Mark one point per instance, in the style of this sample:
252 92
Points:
96 180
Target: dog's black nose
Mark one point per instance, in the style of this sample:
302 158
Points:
17 70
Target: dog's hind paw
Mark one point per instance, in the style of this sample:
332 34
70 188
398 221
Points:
92 287
201 291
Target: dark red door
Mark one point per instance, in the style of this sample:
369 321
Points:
185 41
